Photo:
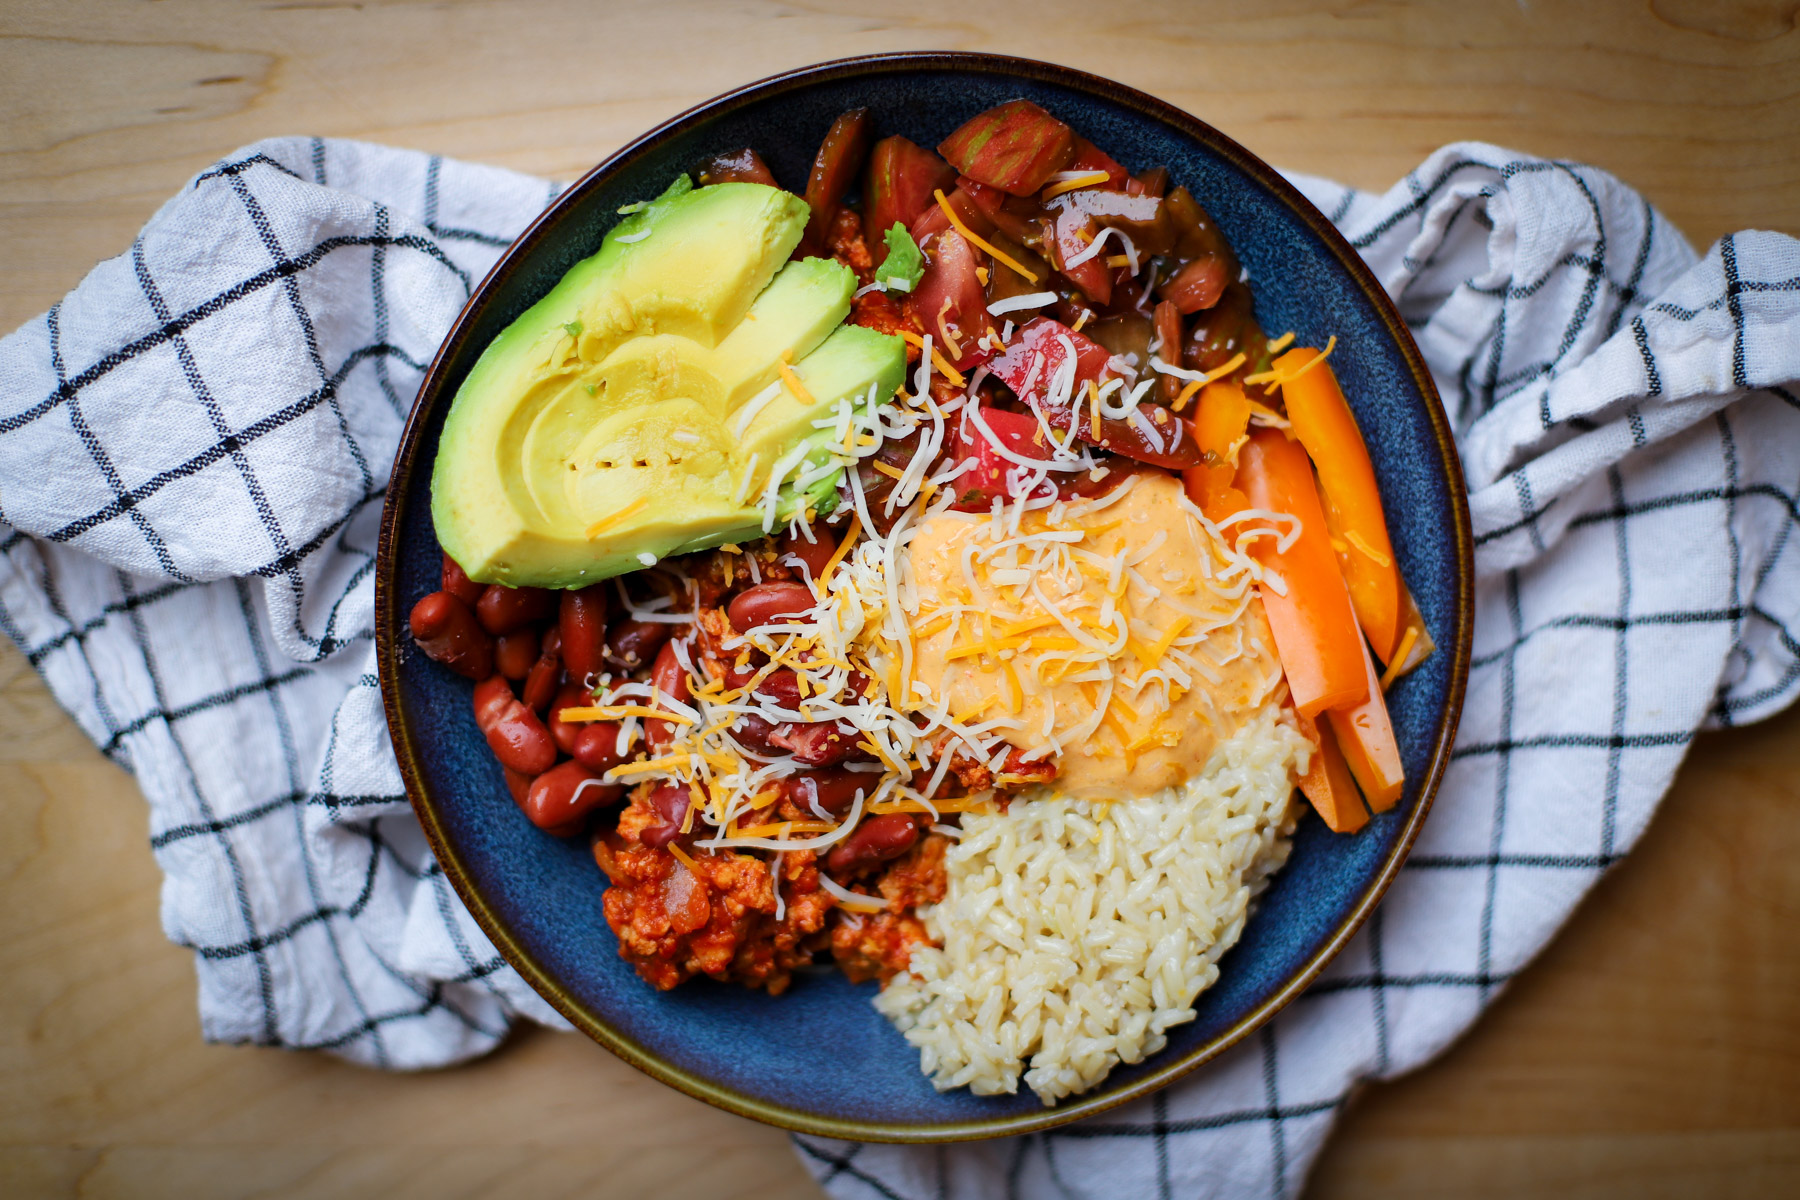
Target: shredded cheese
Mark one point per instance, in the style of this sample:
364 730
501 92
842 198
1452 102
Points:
1000 256
614 517
1397 667
1085 179
792 380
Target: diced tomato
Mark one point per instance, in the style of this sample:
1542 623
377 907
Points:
736 166
1013 215
950 303
833 169
1089 157
1015 147
1066 241
1032 361
897 187
1033 358
1197 285
993 474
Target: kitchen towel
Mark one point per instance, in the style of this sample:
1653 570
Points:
194 447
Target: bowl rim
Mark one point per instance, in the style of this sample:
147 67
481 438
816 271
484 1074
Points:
388 620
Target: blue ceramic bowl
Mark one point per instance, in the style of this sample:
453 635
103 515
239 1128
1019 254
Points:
820 1059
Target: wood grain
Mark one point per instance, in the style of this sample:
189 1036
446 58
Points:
1652 1051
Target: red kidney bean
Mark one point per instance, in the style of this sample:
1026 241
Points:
519 785
631 644
515 653
874 840
814 554
546 673
565 733
561 798
458 583
781 685
753 733
514 733
670 804
582 619
447 632
818 744
856 687
671 679
504 609
597 746
767 602
832 787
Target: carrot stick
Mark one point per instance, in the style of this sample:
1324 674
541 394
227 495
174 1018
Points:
1314 626
1327 428
1219 427
1328 782
1366 736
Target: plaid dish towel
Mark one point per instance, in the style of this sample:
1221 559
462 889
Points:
195 443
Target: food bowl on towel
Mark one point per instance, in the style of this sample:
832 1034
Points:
819 1058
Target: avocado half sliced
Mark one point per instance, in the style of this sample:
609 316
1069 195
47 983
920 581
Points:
641 407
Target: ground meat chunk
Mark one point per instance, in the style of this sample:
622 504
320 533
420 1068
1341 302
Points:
717 918
879 945
846 244
974 775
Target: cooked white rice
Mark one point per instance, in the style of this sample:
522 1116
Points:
1076 933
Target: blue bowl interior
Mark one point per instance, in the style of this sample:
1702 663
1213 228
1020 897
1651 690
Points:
821 1051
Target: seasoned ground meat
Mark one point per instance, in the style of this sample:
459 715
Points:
878 945
717 919
846 244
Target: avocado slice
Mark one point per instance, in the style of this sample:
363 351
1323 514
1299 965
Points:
609 422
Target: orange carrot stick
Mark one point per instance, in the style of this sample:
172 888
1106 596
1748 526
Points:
1219 427
1366 736
1327 428
1328 782
1313 623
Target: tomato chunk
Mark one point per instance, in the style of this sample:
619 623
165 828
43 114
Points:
1015 147
950 304
898 186
839 156
1031 367
993 473
1071 237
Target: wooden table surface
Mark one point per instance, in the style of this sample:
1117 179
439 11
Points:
1653 1051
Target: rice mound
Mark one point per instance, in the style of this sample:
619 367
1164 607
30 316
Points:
1075 933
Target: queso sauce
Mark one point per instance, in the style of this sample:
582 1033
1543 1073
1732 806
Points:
1108 629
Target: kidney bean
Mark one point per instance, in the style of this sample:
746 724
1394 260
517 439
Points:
514 733
753 733
767 602
519 785
875 840
597 746
565 733
561 798
819 743
670 804
458 583
631 644
814 554
546 673
448 632
515 653
781 685
582 619
504 609
833 788
671 679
